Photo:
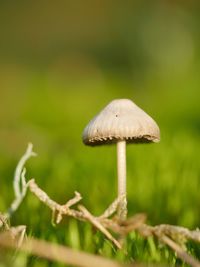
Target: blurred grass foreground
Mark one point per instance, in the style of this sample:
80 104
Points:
60 63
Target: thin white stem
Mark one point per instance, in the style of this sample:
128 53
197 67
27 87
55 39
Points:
17 177
19 182
121 172
17 201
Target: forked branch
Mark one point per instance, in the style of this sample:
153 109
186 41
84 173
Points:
173 236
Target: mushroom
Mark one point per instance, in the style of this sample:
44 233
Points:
121 122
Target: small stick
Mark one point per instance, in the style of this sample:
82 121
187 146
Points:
42 196
56 252
19 182
99 226
16 183
113 207
180 252
74 200
65 210
53 205
165 233
178 231
18 200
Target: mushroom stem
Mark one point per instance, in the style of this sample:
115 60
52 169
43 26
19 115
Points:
121 172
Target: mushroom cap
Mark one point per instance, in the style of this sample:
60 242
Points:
121 119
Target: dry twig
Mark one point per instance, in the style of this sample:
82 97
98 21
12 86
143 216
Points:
16 183
55 252
19 182
168 234
56 208
137 223
88 216
180 252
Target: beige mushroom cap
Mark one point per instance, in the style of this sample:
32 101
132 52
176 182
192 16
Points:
121 119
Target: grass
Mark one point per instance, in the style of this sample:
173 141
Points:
163 179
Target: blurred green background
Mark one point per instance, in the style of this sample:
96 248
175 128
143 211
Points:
60 63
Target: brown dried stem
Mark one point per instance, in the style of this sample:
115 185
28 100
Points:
55 252
173 236
165 233
88 216
180 252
